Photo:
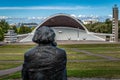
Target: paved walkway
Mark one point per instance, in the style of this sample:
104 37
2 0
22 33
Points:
2 43
9 71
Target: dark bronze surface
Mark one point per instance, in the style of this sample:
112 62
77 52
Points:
45 61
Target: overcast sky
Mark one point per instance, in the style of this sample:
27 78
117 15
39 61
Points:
30 8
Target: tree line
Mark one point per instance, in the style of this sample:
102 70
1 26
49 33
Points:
102 27
4 27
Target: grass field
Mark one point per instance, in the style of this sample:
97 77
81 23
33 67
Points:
104 69
94 69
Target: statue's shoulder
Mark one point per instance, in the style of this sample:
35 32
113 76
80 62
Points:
60 51
30 51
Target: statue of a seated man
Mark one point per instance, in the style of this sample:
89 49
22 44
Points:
45 61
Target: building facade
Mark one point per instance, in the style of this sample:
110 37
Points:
10 37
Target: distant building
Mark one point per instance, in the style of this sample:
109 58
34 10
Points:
66 27
91 21
28 24
10 37
13 24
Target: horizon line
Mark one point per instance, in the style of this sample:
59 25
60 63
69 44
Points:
50 8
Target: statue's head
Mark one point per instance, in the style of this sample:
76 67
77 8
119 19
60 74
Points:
44 35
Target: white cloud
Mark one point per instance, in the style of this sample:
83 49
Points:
3 17
110 15
82 16
46 8
73 15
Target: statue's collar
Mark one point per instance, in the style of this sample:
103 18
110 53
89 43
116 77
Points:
48 44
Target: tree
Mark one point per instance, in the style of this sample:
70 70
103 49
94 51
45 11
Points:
14 28
109 25
24 30
1 34
101 27
28 29
4 25
108 21
32 28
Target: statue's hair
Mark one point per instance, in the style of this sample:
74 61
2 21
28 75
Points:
44 35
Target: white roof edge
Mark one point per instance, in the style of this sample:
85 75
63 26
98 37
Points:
76 19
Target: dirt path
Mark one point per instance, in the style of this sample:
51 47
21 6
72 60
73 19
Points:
9 71
12 61
99 55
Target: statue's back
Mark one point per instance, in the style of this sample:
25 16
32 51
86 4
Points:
46 63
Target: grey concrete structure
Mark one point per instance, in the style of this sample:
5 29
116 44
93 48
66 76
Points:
115 24
10 37
65 27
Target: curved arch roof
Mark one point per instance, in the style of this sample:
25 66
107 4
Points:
63 20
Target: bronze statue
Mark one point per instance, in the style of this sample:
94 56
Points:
45 61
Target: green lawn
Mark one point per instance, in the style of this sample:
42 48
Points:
83 56
109 69
11 57
15 48
107 51
104 69
69 51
